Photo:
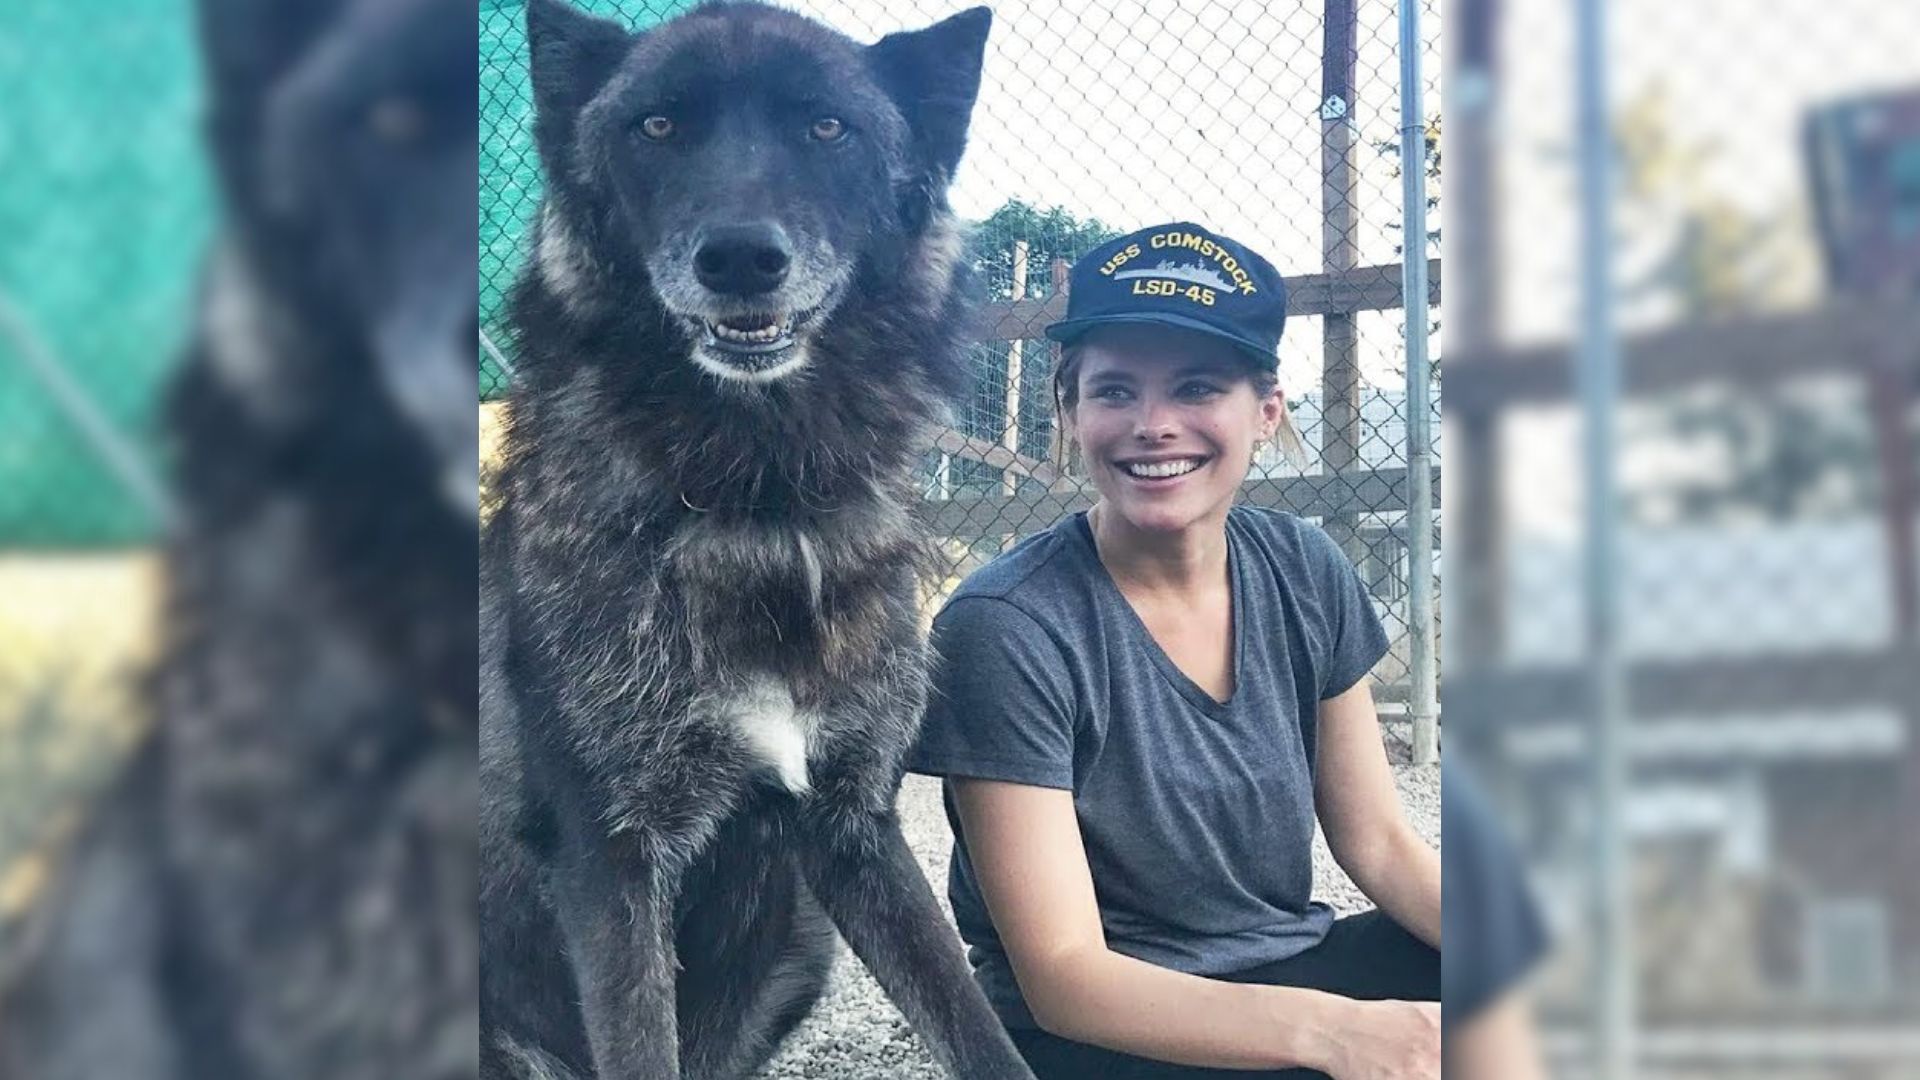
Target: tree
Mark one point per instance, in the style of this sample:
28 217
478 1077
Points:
1050 234
1768 453
1430 150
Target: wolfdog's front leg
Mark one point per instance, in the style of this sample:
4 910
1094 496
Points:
618 927
858 864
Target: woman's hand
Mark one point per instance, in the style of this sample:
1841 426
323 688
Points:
1387 1040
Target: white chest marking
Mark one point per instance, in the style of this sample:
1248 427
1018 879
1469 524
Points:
775 730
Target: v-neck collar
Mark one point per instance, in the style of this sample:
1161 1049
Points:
1178 679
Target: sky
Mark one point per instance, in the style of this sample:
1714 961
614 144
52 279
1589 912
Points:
1139 111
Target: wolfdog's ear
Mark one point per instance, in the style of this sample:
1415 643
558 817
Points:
933 75
246 47
570 55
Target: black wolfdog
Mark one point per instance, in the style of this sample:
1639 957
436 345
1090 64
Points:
702 664
280 884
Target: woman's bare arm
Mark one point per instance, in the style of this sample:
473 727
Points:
1026 847
1499 1043
1366 828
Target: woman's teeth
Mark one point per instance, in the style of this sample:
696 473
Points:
1160 470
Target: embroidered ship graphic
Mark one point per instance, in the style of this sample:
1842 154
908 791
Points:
1194 273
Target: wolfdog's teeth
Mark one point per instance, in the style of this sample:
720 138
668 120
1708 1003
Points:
764 335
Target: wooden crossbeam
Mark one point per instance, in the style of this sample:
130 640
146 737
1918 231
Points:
1831 680
1842 336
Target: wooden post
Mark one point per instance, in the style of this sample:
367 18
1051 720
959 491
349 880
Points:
1010 432
1057 448
1475 515
1891 392
1340 250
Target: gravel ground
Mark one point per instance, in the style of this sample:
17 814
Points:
857 1034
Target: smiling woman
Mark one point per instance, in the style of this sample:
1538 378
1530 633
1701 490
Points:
1144 711
1166 421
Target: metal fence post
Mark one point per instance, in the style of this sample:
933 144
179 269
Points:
1422 703
125 461
1597 357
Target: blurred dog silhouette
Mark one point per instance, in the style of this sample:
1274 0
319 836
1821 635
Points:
280 883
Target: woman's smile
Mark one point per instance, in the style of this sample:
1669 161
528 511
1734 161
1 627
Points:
1160 473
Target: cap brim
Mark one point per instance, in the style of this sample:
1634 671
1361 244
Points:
1067 330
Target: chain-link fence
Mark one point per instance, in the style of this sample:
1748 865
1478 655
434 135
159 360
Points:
1277 125
1762 249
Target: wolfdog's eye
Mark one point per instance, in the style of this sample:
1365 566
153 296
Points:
657 127
828 129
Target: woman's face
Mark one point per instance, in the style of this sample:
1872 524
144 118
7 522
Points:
1166 423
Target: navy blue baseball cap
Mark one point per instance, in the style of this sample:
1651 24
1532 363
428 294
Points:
1180 275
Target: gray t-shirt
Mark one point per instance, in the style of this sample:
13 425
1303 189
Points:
1197 816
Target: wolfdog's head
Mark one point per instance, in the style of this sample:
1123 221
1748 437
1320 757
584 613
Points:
749 160
341 132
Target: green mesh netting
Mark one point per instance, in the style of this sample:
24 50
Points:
103 216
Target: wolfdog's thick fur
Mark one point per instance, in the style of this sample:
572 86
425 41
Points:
702 658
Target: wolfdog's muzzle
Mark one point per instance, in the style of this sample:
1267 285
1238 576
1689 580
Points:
751 293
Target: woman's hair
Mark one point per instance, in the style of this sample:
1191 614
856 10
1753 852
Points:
1066 395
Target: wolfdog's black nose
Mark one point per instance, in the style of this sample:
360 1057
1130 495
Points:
742 260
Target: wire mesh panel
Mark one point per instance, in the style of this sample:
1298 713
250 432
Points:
1276 125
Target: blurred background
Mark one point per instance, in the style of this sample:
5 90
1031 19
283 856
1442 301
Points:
104 215
1746 900
243 848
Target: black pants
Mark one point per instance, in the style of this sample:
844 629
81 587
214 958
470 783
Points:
1366 956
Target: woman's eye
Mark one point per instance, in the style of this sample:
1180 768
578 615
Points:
1199 390
828 129
657 128
1110 393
